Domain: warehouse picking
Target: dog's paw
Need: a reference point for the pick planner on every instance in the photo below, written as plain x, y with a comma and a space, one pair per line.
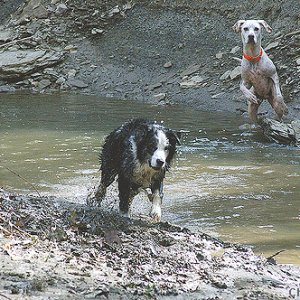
125, 214
92, 200
155, 213
253, 99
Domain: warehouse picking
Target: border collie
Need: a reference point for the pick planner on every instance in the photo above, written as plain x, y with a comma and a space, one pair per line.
139, 153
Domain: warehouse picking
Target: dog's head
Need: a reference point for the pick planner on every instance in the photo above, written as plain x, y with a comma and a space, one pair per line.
158, 147
251, 30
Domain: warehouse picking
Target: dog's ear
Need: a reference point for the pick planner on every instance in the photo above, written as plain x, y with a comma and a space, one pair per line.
174, 136
237, 26
265, 25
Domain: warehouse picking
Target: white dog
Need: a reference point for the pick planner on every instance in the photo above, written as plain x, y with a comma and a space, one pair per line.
259, 76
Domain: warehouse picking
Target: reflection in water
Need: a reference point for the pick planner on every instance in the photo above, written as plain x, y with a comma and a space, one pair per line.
226, 179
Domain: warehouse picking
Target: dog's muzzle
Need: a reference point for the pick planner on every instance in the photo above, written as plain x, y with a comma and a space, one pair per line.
159, 164
251, 39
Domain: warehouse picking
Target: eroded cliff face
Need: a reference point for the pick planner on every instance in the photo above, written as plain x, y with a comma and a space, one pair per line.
156, 51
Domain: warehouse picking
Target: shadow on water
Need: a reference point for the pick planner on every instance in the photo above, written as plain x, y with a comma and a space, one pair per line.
226, 180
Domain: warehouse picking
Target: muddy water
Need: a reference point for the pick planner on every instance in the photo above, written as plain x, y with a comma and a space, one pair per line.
227, 180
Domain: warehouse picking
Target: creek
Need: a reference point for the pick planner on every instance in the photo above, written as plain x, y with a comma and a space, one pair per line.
226, 180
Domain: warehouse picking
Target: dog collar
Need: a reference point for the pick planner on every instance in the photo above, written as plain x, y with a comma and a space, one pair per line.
253, 58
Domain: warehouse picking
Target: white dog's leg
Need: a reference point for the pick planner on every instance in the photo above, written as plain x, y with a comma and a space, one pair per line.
247, 92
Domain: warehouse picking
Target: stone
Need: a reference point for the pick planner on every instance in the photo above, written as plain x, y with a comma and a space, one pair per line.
168, 65
115, 10
271, 46
43, 84
33, 9
298, 61
61, 9
154, 86
236, 72
77, 83
219, 55
7, 89
226, 75
160, 96
61, 80
6, 35
97, 31
18, 63
190, 70
235, 49
194, 81
70, 48
280, 132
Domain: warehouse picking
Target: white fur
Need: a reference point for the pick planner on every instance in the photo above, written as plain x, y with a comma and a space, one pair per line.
156, 207
259, 78
161, 153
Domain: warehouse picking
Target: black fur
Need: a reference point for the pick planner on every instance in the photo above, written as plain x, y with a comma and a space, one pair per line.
124, 150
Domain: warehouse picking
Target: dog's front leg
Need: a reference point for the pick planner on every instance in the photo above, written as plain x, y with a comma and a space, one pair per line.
157, 195
245, 88
277, 101
124, 196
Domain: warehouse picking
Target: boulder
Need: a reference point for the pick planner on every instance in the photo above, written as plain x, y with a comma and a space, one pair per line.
281, 133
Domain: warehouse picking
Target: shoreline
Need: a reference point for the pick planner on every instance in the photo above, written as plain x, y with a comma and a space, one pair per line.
52, 247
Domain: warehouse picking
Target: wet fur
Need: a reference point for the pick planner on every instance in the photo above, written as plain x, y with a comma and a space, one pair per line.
126, 154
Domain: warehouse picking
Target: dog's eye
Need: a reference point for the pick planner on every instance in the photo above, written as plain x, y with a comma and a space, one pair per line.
256, 28
246, 28
167, 148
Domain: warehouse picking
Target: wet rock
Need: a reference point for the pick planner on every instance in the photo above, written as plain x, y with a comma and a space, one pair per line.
298, 61
76, 83
18, 63
280, 132
7, 89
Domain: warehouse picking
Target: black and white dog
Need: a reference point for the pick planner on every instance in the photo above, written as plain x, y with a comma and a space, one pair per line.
140, 153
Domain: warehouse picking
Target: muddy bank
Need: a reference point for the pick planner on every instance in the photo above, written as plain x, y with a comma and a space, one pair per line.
156, 51
57, 249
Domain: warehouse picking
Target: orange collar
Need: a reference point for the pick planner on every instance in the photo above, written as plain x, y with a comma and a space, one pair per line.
253, 58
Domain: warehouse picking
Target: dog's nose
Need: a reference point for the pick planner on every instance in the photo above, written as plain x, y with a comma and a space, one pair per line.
251, 37
159, 162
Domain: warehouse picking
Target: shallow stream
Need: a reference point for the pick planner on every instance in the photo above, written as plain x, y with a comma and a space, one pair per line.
227, 180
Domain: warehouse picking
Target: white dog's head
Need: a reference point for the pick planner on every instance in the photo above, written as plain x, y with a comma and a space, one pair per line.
251, 30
